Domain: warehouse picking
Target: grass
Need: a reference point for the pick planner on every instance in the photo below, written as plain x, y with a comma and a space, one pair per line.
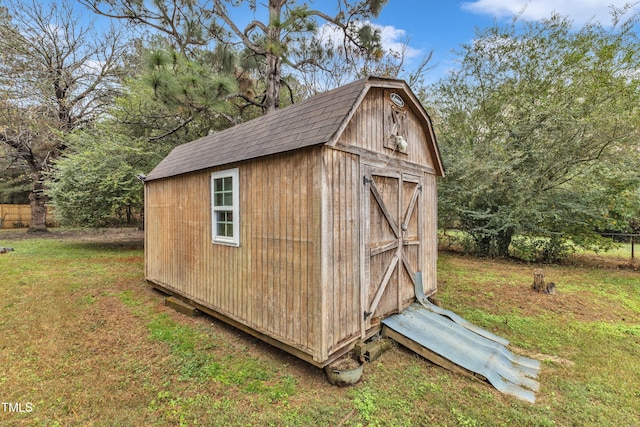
85, 341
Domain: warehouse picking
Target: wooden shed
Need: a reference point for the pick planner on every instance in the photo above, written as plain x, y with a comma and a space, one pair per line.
305, 227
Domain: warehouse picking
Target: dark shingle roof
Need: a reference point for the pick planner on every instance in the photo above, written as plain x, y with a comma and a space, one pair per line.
310, 122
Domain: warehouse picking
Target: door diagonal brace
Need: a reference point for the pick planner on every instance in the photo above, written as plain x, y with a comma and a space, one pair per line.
383, 208
383, 283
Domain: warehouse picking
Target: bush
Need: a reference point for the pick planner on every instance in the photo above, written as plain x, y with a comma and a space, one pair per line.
95, 183
458, 241
540, 249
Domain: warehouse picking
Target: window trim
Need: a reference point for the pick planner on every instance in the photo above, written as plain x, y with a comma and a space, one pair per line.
235, 208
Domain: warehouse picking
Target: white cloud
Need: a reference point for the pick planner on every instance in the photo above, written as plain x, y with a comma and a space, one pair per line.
393, 39
580, 11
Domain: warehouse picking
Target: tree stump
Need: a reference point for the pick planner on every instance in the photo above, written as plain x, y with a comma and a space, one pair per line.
539, 285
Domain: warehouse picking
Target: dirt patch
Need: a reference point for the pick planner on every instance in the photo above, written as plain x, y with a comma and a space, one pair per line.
504, 287
123, 236
574, 305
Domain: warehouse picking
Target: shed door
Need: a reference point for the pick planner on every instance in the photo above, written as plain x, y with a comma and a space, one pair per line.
392, 241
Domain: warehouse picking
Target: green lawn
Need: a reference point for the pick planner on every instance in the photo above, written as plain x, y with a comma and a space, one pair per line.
85, 341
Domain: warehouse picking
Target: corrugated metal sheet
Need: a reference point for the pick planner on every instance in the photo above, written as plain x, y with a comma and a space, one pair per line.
422, 299
509, 373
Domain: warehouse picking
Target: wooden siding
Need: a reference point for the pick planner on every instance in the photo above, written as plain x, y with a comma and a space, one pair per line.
271, 282
369, 129
341, 242
430, 233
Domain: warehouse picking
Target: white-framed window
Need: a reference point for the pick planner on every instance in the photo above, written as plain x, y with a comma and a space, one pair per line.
225, 207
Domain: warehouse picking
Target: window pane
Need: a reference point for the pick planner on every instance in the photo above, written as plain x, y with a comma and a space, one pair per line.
224, 223
218, 185
228, 183
223, 191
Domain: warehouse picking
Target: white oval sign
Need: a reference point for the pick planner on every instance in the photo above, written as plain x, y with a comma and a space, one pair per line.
397, 99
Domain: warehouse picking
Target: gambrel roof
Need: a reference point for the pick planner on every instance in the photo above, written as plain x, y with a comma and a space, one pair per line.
314, 121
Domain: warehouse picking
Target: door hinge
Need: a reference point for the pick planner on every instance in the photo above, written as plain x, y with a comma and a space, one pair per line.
366, 180
367, 314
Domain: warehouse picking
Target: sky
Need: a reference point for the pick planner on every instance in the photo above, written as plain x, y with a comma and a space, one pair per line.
441, 26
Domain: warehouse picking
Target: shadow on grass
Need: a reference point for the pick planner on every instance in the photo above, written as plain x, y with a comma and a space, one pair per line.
113, 246
110, 240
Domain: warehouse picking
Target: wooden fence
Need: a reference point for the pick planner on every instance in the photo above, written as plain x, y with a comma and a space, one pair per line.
19, 216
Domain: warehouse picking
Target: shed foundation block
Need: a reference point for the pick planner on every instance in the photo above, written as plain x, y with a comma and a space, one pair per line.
181, 306
372, 350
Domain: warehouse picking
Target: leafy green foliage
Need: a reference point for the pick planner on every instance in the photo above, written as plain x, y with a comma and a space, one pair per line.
532, 128
185, 84
533, 249
173, 99
96, 183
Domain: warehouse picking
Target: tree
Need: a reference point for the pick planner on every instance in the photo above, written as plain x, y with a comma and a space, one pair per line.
269, 44
526, 120
55, 76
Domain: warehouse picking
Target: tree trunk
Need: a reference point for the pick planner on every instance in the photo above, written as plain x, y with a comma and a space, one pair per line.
38, 202
483, 246
539, 285
494, 246
538, 281
273, 60
503, 242
272, 97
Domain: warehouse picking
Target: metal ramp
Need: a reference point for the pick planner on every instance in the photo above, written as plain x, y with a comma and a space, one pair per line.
448, 340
